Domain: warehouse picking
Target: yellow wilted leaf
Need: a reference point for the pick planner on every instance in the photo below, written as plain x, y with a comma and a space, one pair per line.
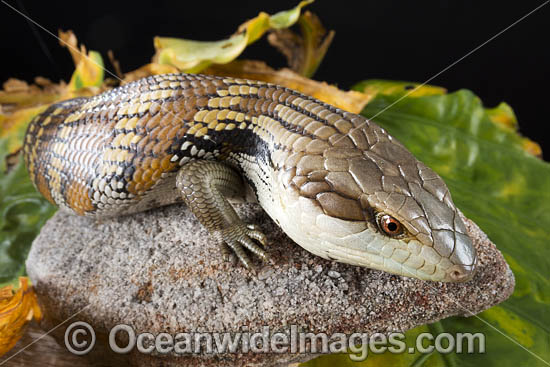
193, 56
351, 101
20, 101
89, 66
304, 52
14, 126
16, 309
19, 94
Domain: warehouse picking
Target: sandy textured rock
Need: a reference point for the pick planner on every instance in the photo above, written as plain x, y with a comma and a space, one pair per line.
159, 272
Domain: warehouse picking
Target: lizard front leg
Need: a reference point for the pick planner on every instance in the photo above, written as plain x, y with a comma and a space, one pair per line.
204, 186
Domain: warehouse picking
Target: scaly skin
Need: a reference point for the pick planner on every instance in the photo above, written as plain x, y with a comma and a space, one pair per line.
336, 183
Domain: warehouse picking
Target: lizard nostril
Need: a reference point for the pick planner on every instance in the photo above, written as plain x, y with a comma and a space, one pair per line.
455, 274
461, 273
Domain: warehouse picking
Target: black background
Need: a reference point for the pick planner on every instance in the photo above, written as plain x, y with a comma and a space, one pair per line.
402, 40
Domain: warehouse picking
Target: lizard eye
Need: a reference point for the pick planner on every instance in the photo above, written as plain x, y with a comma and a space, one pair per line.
391, 226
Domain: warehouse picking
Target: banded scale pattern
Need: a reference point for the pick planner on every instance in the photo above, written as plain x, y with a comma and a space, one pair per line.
316, 170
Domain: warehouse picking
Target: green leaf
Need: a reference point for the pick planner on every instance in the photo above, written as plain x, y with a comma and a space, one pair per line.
396, 88
404, 359
502, 188
23, 211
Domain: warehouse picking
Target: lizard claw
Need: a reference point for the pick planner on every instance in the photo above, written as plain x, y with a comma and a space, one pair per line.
242, 236
255, 233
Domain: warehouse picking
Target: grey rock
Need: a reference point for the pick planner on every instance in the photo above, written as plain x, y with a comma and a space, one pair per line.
159, 271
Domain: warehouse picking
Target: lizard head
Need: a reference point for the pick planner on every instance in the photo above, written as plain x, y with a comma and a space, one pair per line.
380, 208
